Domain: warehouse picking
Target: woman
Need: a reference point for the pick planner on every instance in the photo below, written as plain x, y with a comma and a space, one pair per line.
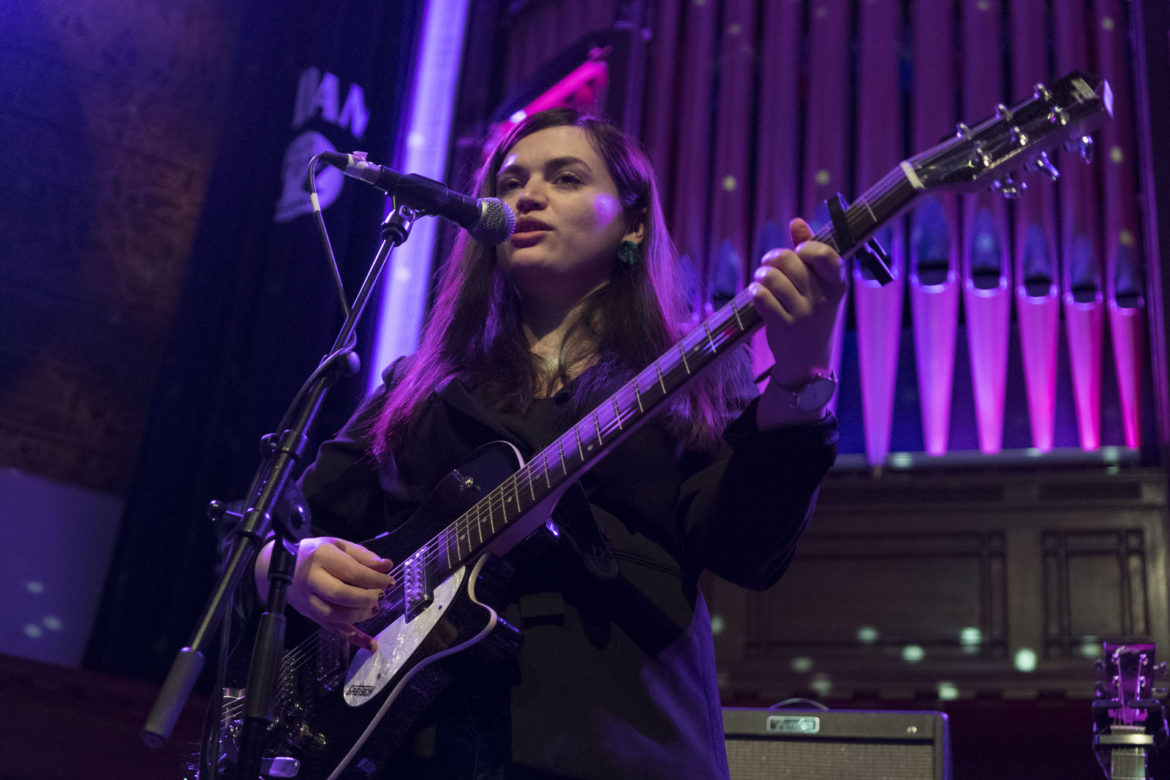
616, 675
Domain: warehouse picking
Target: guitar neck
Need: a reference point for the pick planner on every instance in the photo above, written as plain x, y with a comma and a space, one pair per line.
585, 443
874, 208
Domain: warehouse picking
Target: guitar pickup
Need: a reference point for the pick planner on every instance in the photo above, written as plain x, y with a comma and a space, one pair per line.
416, 592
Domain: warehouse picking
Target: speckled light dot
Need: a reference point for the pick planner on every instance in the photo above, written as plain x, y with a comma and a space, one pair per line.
33, 631
52, 622
729, 183
822, 177
1126, 238
1116, 154
1025, 659
1107, 23
35, 587
734, 29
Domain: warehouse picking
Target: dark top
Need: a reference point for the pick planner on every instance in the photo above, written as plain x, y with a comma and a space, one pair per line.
616, 677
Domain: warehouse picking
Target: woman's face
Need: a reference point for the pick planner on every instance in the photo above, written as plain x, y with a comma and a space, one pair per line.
569, 218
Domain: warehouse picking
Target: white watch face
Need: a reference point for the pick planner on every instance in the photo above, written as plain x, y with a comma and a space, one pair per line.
815, 394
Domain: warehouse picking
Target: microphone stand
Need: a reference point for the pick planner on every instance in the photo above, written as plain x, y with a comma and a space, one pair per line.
268, 495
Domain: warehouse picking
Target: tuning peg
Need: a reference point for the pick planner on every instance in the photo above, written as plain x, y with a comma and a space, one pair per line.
1003, 112
1018, 136
962, 131
1040, 92
1160, 668
1009, 187
1086, 148
1042, 163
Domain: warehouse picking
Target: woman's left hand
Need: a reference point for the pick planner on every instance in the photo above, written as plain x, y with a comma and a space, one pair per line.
798, 292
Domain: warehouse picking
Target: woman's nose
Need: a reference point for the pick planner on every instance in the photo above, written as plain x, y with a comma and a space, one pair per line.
530, 197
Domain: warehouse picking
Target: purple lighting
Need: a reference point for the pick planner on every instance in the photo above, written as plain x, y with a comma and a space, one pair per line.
1084, 321
426, 135
934, 300
987, 301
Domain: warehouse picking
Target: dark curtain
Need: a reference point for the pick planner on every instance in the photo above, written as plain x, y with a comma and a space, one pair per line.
258, 309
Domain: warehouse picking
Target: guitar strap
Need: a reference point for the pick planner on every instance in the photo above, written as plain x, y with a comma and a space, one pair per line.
584, 533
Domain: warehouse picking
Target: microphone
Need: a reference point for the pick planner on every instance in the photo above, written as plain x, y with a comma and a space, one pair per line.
488, 220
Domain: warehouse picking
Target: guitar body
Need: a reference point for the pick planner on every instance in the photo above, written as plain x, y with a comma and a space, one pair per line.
342, 712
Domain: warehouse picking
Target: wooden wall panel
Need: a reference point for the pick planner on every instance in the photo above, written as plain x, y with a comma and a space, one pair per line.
959, 579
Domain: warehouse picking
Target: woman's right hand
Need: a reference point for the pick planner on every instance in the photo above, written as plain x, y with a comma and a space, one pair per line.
336, 584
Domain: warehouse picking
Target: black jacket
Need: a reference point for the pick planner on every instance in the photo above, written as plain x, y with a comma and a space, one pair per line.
616, 677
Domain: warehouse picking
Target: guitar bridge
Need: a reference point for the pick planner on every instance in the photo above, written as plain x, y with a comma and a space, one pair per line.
416, 593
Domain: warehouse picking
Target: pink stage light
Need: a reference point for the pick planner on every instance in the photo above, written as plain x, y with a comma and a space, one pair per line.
879, 328
934, 301
987, 302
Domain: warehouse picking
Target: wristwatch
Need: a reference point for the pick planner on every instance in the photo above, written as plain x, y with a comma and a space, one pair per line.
810, 394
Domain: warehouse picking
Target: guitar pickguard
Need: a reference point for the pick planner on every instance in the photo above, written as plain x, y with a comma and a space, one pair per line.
370, 672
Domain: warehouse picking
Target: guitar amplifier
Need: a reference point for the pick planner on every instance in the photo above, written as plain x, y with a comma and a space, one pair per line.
836, 744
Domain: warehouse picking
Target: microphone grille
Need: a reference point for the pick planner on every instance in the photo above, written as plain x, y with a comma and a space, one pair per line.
496, 222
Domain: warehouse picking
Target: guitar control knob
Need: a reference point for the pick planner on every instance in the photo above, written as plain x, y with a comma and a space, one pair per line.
1085, 147
1009, 187
1044, 164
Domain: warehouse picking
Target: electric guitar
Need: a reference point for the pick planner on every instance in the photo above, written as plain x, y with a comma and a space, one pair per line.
341, 711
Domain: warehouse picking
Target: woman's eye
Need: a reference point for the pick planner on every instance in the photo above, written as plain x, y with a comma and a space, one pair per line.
567, 177
506, 185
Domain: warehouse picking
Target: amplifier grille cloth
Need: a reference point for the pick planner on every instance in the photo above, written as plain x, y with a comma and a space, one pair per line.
768, 759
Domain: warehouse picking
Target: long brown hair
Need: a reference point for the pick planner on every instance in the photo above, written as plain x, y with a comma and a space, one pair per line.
473, 330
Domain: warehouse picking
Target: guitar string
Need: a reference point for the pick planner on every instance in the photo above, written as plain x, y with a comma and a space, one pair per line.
305, 652
890, 191
497, 501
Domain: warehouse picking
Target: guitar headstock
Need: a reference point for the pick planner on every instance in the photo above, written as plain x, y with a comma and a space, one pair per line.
994, 152
1125, 682
1127, 720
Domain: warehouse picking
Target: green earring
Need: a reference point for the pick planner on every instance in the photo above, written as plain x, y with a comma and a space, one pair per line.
629, 253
